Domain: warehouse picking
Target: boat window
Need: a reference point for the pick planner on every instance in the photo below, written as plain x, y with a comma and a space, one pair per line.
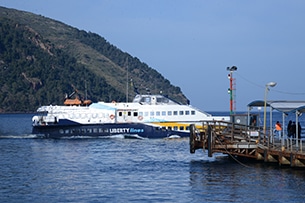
140, 113
135, 114
192, 112
61, 131
152, 113
94, 130
129, 113
187, 127
145, 99
175, 113
187, 112
181, 128
169, 113
67, 131
181, 112
100, 130
120, 113
169, 128
146, 113
175, 127
163, 113
158, 113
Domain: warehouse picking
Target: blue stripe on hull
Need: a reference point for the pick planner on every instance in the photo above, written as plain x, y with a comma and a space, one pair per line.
100, 130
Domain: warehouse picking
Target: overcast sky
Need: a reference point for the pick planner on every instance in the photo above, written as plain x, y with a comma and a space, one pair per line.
192, 42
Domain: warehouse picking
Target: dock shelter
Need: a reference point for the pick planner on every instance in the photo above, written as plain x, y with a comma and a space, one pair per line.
285, 107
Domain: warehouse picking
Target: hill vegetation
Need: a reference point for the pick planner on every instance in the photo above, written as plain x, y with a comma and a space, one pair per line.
41, 60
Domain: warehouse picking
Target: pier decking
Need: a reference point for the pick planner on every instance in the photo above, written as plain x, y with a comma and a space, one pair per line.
246, 141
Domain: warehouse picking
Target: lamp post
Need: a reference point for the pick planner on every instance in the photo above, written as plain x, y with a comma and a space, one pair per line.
270, 84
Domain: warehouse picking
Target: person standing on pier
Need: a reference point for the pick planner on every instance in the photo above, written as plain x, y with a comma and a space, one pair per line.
299, 130
289, 128
293, 129
278, 129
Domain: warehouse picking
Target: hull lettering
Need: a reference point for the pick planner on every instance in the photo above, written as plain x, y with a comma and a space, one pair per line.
119, 130
126, 130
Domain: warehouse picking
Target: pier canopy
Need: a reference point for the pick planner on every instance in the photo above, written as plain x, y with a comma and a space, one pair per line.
281, 106
286, 107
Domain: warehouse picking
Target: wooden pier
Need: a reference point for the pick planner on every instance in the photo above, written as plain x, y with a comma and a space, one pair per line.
246, 141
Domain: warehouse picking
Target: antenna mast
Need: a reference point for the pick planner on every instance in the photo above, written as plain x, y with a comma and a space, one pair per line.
232, 89
127, 86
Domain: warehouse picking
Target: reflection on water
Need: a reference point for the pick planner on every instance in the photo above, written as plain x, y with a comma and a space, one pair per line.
226, 180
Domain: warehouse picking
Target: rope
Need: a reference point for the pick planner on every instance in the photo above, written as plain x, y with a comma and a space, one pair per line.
239, 162
274, 90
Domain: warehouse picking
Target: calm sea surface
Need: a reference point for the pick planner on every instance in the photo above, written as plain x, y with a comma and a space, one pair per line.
131, 170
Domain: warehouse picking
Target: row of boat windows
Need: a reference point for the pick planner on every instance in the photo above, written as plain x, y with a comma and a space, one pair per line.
105, 130
133, 113
158, 113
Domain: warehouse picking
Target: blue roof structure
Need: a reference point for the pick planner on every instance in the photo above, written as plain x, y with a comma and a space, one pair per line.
282, 106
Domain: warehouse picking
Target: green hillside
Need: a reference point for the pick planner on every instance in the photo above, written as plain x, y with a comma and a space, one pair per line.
41, 60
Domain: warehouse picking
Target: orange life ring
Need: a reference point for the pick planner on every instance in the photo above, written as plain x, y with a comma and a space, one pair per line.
140, 118
111, 116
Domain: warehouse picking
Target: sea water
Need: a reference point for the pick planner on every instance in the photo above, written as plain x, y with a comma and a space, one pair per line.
131, 170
